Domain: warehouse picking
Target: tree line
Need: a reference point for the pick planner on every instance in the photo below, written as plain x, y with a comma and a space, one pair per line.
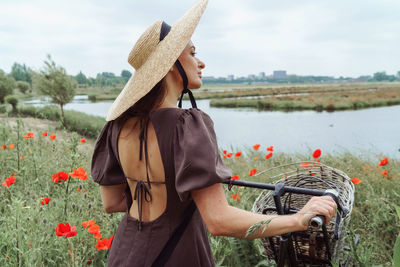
376, 77
52, 81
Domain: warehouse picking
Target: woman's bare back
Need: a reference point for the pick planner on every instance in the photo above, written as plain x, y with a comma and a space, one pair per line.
128, 152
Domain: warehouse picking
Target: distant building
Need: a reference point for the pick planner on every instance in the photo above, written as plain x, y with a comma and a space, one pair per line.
280, 74
231, 77
252, 77
261, 75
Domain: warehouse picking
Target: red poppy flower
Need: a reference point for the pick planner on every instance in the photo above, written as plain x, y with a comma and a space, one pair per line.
224, 157
235, 197
44, 134
8, 181
268, 155
83, 140
45, 201
256, 146
238, 154
22, 157
65, 230
255, 158
225, 151
235, 177
3, 147
29, 135
97, 235
317, 153
385, 173
252, 172
79, 173
270, 148
93, 228
355, 180
88, 223
52, 137
89, 261
11, 146
60, 176
104, 243
384, 162
229, 155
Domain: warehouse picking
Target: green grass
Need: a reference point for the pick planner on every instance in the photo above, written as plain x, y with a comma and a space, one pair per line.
287, 105
82, 123
28, 238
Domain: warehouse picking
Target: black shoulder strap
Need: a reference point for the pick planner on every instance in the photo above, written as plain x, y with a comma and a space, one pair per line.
174, 239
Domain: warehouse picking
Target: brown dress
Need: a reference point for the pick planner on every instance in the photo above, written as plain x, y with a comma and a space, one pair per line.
191, 160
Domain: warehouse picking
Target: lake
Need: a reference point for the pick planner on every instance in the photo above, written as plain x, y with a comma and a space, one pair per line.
364, 132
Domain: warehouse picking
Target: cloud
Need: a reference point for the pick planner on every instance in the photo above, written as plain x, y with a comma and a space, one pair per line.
234, 37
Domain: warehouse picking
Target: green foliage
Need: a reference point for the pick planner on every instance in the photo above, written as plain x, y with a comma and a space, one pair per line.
382, 76
21, 73
13, 101
23, 86
92, 97
3, 108
126, 74
81, 78
47, 112
54, 82
7, 85
83, 124
396, 249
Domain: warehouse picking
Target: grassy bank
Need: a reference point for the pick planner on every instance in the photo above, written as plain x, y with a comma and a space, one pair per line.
79, 122
28, 236
319, 100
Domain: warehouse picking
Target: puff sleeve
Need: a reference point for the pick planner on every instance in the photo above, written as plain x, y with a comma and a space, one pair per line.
196, 158
106, 169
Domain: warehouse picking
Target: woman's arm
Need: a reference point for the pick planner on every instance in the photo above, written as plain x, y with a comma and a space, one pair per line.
223, 219
113, 198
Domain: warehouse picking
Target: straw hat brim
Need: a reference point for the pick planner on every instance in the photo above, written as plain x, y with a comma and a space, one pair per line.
159, 62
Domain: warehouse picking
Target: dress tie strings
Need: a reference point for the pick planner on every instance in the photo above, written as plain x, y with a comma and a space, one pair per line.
141, 192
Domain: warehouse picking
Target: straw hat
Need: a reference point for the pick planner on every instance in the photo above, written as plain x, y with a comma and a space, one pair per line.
153, 58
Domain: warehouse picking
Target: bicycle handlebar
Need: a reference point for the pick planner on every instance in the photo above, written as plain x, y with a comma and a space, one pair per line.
318, 221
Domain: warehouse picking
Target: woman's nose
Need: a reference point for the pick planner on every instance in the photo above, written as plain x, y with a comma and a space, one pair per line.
201, 64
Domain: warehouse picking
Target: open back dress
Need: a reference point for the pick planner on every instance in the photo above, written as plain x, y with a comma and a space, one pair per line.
191, 160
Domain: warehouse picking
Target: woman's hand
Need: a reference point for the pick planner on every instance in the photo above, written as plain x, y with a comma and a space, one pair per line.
324, 205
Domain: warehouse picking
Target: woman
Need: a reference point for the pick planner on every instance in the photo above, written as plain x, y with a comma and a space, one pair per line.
160, 164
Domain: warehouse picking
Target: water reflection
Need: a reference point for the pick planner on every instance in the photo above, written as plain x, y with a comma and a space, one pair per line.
367, 131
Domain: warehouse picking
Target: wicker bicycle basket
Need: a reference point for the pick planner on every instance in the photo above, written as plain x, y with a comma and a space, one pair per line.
310, 246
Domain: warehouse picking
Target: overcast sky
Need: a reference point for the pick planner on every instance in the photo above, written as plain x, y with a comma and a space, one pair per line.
240, 37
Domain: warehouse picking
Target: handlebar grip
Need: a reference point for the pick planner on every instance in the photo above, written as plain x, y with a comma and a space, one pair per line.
318, 221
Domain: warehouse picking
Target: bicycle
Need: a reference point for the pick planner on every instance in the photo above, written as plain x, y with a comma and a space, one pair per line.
321, 244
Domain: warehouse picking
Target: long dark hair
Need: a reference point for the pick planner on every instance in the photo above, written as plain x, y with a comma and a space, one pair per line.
146, 104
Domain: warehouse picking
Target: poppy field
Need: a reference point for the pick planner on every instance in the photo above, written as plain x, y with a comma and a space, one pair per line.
52, 215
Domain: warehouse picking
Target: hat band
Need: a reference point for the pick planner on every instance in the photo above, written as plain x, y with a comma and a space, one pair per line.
185, 88
165, 28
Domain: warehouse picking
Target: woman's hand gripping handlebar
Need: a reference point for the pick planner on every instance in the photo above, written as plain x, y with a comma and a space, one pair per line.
318, 210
